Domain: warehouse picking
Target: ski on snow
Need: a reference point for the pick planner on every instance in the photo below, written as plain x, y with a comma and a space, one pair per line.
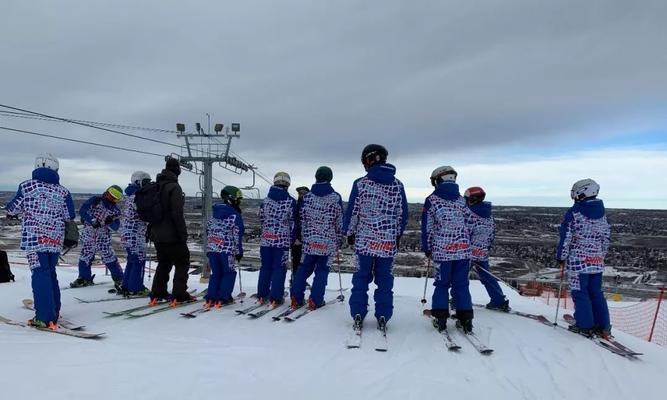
474, 340
354, 339
105, 299
61, 330
293, 317
142, 307
609, 343
382, 343
205, 309
450, 344
166, 307
65, 323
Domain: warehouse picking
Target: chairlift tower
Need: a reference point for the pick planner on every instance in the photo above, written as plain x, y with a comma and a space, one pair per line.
205, 149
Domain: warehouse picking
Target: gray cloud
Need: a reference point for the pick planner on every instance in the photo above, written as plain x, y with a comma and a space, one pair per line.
318, 80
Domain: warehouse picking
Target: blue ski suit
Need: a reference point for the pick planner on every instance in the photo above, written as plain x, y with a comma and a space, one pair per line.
133, 238
225, 243
99, 217
481, 240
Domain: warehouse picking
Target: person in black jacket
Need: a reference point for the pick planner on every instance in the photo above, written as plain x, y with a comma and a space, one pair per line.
297, 246
170, 238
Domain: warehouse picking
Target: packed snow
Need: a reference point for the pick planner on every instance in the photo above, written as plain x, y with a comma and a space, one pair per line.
225, 356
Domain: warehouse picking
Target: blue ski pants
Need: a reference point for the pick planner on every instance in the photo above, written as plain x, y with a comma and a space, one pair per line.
371, 268
490, 283
309, 264
452, 274
223, 277
272, 273
45, 289
133, 277
590, 305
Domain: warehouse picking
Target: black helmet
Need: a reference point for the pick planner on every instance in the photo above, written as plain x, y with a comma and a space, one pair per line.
231, 195
373, 154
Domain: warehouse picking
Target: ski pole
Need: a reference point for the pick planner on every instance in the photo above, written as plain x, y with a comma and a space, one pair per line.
240, 283
560, 286
428, 272
477, 267
340, 279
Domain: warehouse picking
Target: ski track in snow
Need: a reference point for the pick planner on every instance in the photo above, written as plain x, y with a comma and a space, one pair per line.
220, 354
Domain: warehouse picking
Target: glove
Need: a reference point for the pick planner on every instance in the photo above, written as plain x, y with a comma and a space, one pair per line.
12, 216
239, 257
96, 224
428, 253
109, 221
350, 240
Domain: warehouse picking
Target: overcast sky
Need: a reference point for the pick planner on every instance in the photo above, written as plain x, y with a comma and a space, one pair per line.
521, 97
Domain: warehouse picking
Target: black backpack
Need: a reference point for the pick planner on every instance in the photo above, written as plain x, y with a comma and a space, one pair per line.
149, 206
5, 273
71, 234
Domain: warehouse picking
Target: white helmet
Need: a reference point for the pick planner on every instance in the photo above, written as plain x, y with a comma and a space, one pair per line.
47, 160
446, 173
138, 177
583, 189
282, 179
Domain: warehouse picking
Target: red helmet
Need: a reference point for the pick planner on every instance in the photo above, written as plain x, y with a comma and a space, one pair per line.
474, 195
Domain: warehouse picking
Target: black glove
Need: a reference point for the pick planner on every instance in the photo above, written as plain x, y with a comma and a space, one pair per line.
109, 221
350, 240
428, 253
239, 257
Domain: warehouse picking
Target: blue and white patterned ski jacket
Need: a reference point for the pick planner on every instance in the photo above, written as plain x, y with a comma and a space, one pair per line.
483, 231
377, 212
446, 224
45, 206
225, 231
584, 237
132, 229
277, 216
321, 216
96, 211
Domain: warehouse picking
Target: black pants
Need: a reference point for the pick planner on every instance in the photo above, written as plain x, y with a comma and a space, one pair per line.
168, 255
296, 258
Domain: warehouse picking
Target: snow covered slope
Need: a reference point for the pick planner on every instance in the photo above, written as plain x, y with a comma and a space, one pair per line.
224, 356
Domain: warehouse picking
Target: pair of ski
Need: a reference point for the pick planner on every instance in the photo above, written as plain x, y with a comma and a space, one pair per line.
291, 314
609, 343
65, 327
451, 344
354, 339
151, 309
205, 309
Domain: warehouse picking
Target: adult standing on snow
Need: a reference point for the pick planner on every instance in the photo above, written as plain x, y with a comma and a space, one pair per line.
376, 215
277, 216
133, 238
584, 241
45, 206
446, 229
170, 236
321, 216
297, 247
100, 215
483, 233
225, 245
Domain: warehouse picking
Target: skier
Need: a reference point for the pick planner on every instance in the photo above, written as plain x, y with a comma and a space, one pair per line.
297, 248
375, 218
480, 242
446, 230
277, 216
321, 216
225, 244
133, 238
584, 241
45, 206
100, 215
170, 235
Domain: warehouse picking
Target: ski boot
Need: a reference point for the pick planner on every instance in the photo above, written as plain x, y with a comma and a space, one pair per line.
504, 306
81, 282
43, 325
604, 333
440, 319
464, 321
210, 304
294, 304
382, 325
141, 292
311, 304
589, 333
118, 285
157, 298
181, 298
358, 323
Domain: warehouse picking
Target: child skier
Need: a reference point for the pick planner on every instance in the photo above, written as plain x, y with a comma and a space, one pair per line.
446, 230
376, 216
100, 215
277, 216
584, 241
481, 240
321, 216
133, 238
225, 244
45, 206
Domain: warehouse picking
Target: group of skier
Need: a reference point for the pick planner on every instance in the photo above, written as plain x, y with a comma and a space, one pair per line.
456, 233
